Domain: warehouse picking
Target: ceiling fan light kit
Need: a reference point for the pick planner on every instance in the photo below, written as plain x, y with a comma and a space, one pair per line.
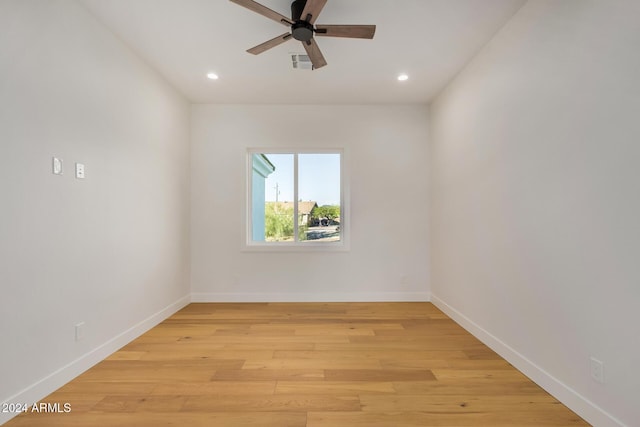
302, 27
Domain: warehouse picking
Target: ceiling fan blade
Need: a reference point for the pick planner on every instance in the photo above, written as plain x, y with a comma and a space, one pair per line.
264, 11
314, 53
269, 44
313, 9
349, 31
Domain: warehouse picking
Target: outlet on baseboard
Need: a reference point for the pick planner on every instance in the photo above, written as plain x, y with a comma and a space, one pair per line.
80, 331
597, 370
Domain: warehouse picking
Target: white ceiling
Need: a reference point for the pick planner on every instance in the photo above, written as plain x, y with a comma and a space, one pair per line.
430, 40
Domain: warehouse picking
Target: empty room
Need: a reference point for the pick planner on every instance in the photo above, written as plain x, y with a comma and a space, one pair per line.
319, 213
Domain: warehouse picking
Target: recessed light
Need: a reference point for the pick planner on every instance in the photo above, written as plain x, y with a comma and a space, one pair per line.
403, 77
212, 76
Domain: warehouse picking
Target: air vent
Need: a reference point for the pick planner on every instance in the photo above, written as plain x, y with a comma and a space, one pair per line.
301, 61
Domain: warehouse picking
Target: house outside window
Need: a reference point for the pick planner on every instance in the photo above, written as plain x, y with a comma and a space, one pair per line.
261, 169
296, 199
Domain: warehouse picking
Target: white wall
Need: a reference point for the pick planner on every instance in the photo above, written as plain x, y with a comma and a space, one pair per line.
111, 250
535, 200
387, 155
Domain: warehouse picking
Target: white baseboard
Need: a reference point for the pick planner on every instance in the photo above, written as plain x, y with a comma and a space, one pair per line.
57, 379
592, 413
312, 297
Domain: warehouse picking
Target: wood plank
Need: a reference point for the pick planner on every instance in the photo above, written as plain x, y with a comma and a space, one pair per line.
269, 375
156, 371
421, 419
379, 354
106, 388
410, 363
312, 364
283, 345
127, 355
378, 375
133, 403
338, 388
485, 375
189, 354
456, 403
278, 403
428, 388
215, 388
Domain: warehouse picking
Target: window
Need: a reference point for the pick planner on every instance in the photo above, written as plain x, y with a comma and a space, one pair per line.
295, 199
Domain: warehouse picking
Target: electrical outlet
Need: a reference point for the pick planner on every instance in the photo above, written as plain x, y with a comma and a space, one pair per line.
79, 170
80, 331
597, 370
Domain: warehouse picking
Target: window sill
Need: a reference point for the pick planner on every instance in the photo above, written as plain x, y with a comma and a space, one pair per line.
296, 247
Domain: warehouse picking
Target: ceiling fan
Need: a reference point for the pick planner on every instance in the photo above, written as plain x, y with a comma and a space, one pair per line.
302, 22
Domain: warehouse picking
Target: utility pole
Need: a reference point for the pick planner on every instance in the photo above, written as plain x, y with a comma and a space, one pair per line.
277, 191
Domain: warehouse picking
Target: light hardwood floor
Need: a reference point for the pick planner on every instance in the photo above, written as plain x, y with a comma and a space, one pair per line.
311, 364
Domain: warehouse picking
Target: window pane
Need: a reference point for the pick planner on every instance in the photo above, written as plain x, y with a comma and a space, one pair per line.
319, 197
272, 198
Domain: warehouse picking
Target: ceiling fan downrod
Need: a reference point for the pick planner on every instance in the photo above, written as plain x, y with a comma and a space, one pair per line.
301, 29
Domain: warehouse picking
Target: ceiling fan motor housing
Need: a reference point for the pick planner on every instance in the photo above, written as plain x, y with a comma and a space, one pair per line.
301, 29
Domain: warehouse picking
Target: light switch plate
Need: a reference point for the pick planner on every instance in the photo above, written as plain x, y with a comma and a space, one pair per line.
79, 171
57, 166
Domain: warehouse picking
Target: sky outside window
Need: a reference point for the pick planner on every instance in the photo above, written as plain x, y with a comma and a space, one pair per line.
318, 178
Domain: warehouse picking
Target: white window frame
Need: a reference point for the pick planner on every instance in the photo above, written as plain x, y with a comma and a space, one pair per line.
249, 245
